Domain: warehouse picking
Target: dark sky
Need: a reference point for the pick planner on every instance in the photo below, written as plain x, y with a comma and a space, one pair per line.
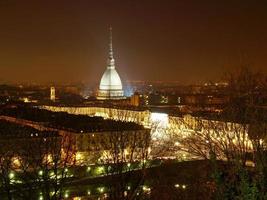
169, 40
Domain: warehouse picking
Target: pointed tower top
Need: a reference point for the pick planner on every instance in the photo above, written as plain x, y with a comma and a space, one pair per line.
110, 43
111, 61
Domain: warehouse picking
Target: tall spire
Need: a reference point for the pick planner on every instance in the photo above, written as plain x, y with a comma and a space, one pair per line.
111, 61
110, 43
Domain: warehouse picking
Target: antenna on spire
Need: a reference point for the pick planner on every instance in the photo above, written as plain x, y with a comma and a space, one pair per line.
111, 61
110, 43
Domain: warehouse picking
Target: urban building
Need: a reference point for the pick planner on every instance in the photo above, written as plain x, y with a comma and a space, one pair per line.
53, 94
110, 85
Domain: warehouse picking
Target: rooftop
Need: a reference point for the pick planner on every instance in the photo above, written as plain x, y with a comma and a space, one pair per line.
70, 122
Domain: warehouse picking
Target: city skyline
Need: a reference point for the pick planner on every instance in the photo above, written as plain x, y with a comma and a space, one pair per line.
188, 42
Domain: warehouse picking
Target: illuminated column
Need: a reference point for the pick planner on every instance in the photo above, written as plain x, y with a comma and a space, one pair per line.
53, 94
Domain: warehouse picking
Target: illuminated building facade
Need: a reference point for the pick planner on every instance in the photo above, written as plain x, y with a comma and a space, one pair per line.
52, 94
99, 145
110, 85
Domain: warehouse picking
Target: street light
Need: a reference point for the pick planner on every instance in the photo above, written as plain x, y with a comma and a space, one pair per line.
11, 175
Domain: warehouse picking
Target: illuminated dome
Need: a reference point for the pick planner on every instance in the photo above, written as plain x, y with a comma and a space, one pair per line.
110, 80
110, 85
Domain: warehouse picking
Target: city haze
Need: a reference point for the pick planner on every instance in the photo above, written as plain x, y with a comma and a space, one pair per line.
187, 42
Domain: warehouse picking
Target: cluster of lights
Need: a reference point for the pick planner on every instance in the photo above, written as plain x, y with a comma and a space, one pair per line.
170, 124
180, 186
146, 189
231, 134
79, 157
52, 174
99, 170
66, 195
102, 190
16, 161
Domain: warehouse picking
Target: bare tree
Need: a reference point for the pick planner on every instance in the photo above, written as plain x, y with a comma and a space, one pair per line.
238, 134
125, 155
6, 174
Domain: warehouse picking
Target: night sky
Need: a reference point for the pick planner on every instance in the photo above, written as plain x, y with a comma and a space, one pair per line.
166, 40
